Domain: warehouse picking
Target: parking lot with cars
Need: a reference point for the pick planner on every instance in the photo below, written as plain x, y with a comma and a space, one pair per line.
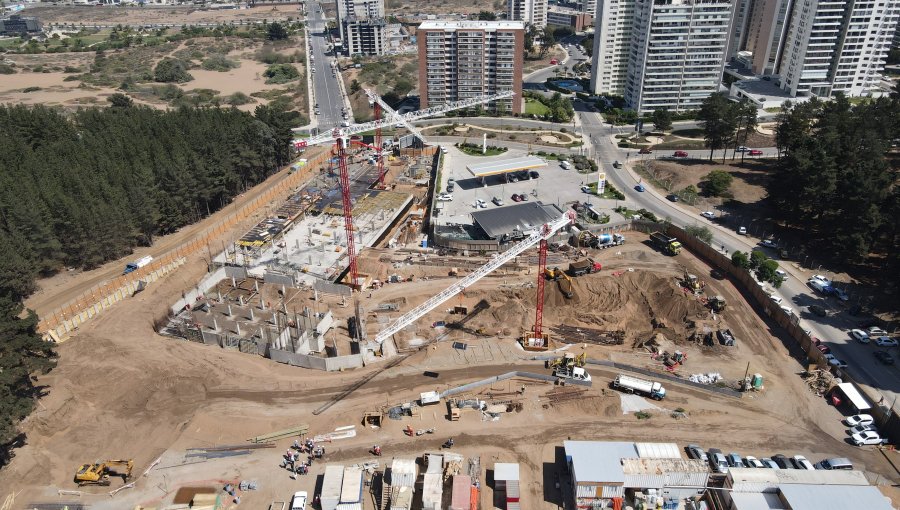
720, 462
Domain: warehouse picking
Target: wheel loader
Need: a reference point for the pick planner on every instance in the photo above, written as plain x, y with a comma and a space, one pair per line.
99, 473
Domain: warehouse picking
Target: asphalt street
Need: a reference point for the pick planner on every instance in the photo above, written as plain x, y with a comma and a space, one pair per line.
327, 92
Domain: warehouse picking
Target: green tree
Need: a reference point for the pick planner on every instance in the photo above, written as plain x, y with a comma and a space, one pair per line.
717, 182
757, 258
119, 100
354, 86
740, 259
276, 32
746, 115
766, 272
547, 41
531, 34
171, 70
700, 232
719, 122
487, 16
662, 119
281, 73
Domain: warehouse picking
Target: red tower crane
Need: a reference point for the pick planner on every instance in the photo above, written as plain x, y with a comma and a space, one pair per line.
379, 147
539, 309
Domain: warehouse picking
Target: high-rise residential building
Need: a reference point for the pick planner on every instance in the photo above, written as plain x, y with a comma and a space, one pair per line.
465, 59
564, 17
837, 46
612, 41
362, 26
737, 36
677, 53
766, 33
528, 11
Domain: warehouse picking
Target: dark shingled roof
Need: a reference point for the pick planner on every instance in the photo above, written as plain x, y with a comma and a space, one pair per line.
500, 221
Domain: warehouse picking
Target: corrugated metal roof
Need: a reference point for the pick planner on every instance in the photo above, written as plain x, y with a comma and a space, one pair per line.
403, 473
756, 501
351, 489
598, 461
350, 506
506, 166
459, 497
753, 480
500, 221
401, 499
434, 463
658, 450
833, 497
506, 471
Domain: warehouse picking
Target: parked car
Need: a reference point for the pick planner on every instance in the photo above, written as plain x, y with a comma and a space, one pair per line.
841, 294
876, 331
867, 437
585, 189
884, 357
533, 174
769, 463
833, 361
741, 149
680, 154
497, 201
800, 462
768, 243
640, 188
818, 310
776, 299
782, 461
824, 349
299, 501
708, 214
820, 278
734, 460
645, 150
742, 231
752, 462
860, 336
438, 324
858, 429
480, 204
859, 419
755, 152
835, 463
884, 341
672, 197
695, 452
445, 197
717, 460
781, 273
515, 197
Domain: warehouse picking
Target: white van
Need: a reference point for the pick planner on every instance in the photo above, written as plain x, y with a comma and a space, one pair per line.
565, 165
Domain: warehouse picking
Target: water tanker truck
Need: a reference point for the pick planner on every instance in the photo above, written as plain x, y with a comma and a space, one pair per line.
630, 384
137, 264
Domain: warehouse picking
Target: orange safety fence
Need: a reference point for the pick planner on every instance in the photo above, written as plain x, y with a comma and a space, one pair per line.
90, 298
473, 498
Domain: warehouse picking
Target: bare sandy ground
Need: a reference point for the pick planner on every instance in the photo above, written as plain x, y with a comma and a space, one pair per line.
177, 15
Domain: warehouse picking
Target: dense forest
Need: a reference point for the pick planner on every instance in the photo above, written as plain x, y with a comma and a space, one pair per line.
837, 178
77, 190
82, 188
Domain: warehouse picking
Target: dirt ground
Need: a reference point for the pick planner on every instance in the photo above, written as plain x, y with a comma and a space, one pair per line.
177, 15
406, 8
57, 87
120, 390
748, 186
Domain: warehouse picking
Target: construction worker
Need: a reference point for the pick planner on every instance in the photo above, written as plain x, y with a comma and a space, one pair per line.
376, 450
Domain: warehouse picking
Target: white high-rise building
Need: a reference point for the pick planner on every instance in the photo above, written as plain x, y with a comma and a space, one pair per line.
362, 26
677, 53
837, 46
529, 11
612, 41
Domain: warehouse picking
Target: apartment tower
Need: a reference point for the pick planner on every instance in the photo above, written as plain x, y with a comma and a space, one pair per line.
612, 41
528, 11
465, 59
362, 26
677, 53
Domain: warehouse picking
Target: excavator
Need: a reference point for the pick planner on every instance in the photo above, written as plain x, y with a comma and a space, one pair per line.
563, 280
99, 472
691, 282
568, 360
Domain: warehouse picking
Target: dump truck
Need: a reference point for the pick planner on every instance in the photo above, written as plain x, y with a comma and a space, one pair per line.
600, 241
584, 266
137, 264
725, 337
667, 244
716, 303
573, 374
630, 384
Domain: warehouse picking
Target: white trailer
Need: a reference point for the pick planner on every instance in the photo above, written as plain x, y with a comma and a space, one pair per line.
634, 385
137, 264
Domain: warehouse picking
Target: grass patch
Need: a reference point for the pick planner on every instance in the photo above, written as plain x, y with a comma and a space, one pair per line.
689, 133
475, 150
535, 107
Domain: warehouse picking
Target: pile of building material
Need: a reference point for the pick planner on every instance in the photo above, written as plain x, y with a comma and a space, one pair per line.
581, 335
819, 381
709, 378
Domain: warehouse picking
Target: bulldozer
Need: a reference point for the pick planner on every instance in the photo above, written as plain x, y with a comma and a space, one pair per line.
691, 282
716, 303
568, 360
100, 472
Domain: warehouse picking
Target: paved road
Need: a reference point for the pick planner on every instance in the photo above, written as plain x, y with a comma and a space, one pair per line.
326, 89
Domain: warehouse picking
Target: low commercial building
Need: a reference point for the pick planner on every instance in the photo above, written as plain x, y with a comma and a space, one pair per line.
566, 17
606, 473
514, 222
20, 25
796, 489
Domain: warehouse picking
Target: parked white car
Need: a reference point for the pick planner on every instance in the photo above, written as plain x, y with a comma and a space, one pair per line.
821, 278
299, 501
776, 299
445, 197
876, 331
708, 214
868, 437
859, 419
833, 361
858, 429
801, 463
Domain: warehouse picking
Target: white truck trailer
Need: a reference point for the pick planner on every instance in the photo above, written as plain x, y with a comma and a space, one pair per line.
630, 384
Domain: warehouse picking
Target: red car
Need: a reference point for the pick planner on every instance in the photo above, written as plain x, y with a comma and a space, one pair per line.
553, 61
515, 197
755, 152
645, 150
681, 154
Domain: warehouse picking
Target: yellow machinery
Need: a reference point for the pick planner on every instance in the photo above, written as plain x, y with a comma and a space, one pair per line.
568, 360
716, 303
562, 279
99, 473
691, 282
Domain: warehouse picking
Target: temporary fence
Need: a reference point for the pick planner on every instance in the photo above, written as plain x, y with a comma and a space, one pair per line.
59, 324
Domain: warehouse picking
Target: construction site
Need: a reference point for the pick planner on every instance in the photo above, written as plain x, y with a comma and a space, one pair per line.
456, 379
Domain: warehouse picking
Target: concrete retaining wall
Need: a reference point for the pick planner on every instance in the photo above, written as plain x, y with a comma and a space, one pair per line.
316, 362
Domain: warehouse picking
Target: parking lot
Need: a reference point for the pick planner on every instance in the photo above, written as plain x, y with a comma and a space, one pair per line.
554, 185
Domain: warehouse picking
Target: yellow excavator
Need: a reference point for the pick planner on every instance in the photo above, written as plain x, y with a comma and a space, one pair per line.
99, 472
691, 282
568, 360
562, 280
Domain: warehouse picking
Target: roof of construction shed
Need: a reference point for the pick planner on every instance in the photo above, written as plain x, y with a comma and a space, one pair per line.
506, 471
504, 220
351, 489
332, 481
598, 461
403, 473
855, 397
658, 450
505, 166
